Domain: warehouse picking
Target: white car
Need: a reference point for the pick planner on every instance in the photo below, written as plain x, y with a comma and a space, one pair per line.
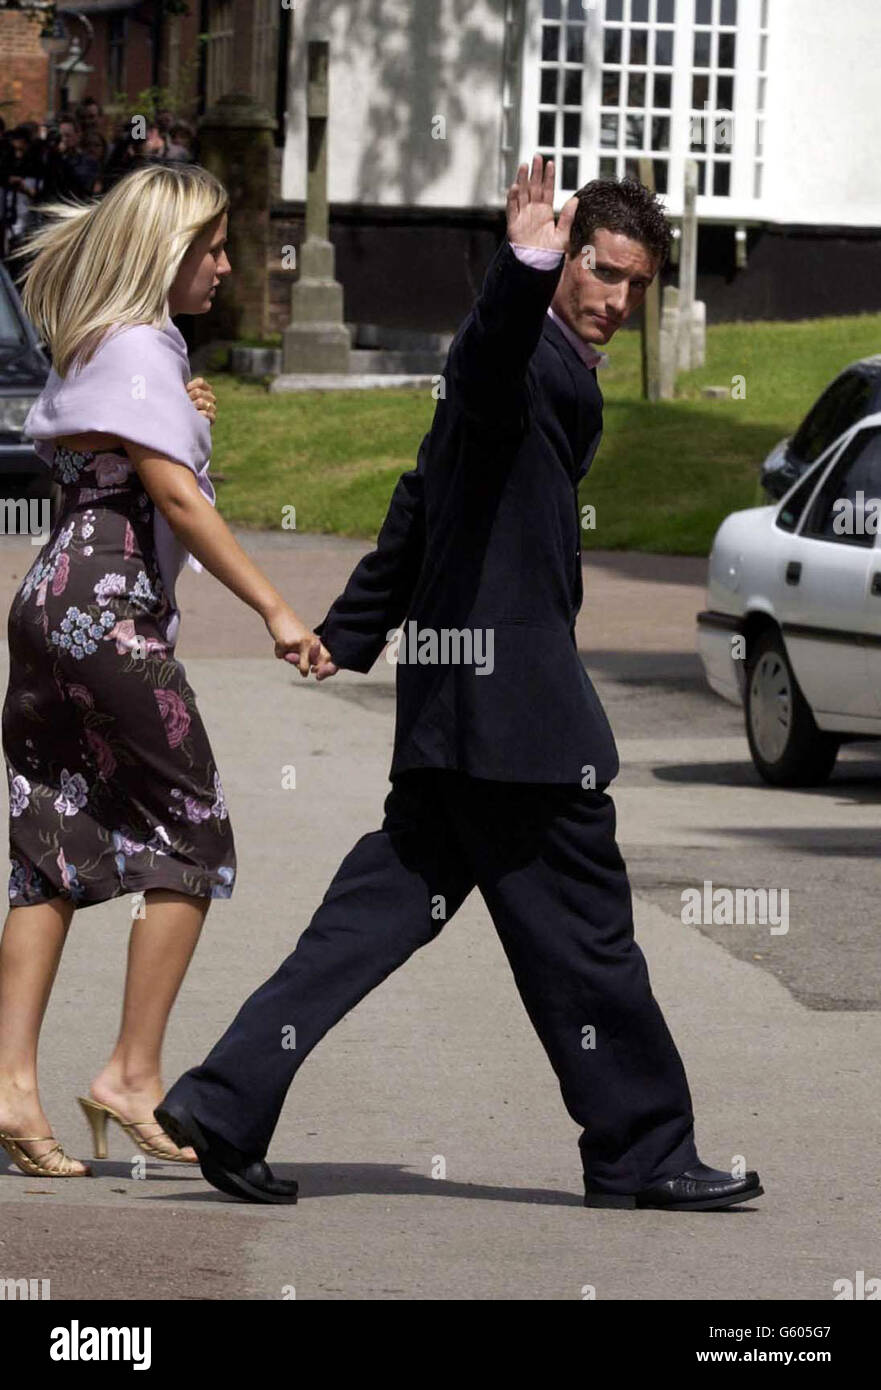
792, 628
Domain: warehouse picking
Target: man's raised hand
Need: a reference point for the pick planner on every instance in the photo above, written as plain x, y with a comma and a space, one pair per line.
531, 209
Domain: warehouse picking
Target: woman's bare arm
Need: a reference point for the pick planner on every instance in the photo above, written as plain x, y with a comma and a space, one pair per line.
203, 531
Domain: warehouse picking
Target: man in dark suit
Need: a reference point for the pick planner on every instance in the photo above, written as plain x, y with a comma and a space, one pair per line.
502, 750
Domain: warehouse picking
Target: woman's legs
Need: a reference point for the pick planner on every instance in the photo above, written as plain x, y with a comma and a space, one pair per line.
160, 949
30, 949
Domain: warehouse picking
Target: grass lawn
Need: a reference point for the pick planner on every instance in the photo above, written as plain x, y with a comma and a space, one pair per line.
663, 479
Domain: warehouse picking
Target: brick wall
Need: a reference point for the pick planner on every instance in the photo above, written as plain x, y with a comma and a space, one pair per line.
24, 74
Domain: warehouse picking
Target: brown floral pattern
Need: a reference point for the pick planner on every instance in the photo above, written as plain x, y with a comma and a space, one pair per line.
113, 787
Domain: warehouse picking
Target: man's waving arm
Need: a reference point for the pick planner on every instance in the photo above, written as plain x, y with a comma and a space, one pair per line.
491, 352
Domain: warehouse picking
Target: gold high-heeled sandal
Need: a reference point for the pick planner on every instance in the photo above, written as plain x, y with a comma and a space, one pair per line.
98, 1114
54, 1163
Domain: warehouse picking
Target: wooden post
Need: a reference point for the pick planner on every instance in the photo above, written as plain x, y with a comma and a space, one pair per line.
687, 266
650, 319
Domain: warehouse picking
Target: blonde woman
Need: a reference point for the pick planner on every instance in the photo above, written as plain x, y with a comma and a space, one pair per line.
113, 788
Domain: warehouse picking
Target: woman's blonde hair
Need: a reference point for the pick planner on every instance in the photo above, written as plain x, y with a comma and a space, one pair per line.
113, 262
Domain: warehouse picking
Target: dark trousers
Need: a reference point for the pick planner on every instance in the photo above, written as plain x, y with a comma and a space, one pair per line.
547, 865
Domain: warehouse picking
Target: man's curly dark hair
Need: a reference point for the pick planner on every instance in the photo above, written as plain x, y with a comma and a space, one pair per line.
620, 205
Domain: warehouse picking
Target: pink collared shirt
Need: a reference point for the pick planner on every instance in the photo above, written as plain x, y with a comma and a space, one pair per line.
541, 259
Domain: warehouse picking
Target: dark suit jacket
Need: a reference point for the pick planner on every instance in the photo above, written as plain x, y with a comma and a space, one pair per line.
484, 535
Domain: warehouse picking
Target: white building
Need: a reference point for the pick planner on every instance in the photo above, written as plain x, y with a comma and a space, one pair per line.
435, 102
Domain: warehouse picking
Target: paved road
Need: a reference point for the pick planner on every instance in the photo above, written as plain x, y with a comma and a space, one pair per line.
780, 1033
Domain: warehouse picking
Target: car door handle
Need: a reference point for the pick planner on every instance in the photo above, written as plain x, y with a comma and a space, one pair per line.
876, 582
793, 572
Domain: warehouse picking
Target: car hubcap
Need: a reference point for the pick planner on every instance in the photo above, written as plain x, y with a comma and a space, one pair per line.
771, 706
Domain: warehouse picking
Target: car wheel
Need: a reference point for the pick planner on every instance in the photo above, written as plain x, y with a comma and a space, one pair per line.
787, 748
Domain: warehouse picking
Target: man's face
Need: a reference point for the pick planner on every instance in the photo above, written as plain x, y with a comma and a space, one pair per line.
595, 300
68, 136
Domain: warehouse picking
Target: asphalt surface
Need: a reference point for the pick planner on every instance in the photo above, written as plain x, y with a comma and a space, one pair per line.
780, 1033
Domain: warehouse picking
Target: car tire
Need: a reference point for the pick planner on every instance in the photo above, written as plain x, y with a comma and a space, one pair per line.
787, 747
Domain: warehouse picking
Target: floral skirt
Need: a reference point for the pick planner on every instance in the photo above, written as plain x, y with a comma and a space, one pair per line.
113, 788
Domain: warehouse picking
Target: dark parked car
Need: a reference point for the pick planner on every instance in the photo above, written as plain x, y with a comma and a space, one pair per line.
855, 393
24, 367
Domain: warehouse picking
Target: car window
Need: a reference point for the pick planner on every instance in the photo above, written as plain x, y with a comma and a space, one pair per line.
11, 326
789, 514
848, 504
839, 407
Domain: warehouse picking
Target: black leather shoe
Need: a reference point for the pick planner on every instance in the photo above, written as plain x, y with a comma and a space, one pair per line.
223, 1165
699, 1188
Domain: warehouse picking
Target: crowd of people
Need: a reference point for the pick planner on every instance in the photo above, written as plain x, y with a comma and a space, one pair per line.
78, 157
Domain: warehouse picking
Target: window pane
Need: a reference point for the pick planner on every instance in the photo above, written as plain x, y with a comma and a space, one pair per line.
635, 126
607, 168
666, 11
549, 86
725, 93
639, 11
701, 48
572, 130
856, 471
697, 132
574, 43
660, 132
639, 46
611, 86
608, 130
664, 47
612, 46
550, 43
703, 12
577, 11
636, 89
722, 178
701, 175
788, 516
662, 91
551, 9
614, 9
631, 168
728, 12
700, 92
839, 407
726, 50
572, 87
570, 170
660, 166
547, 127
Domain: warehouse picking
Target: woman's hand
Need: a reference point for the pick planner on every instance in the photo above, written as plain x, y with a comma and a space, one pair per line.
203, 398
294, 642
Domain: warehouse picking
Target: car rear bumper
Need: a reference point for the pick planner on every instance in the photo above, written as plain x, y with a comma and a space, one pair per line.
725, 673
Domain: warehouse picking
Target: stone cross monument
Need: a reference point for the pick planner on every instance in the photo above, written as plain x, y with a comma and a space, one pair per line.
316, 339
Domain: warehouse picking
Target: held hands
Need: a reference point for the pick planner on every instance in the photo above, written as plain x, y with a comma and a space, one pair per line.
294, 642
531, 209
203, 398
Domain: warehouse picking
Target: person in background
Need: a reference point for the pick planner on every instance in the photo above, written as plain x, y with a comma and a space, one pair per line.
68, 172
95, 146
19, 185
182, 140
